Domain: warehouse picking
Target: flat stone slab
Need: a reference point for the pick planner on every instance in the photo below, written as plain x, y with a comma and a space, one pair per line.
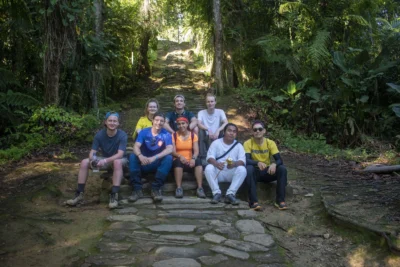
231, 232
231, 252
110, 247
124, 226
245, 246
184, 200
250, 227
172, 228
247, 213
192, 206
113, 259
186, 185
177, 262
125, 218
174, 240
212, 260
117, 235
261, 239
192, 214
219, 223
130, 210
213, 238
141, 201
182, 252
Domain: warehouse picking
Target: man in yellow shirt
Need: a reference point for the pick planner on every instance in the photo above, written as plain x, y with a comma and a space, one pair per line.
259, 151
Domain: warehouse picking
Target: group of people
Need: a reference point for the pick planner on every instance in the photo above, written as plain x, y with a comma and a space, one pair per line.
186, 143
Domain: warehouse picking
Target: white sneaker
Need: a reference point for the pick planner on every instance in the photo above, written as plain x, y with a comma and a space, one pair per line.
113, 201
77, 200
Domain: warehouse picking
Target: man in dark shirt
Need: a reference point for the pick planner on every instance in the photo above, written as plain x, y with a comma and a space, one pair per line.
152, 153
170, 120
112, 143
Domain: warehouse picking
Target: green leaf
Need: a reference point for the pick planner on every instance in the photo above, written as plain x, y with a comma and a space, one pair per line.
71, 17
396, 109
279, 98
394, 88
338, 60
363, 99
313, 92
291, 88
53, 2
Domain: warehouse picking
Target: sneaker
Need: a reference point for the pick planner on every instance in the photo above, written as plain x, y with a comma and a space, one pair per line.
200, 193
179, 192
282, 205
136, 194
216, 198
113, 201
77, 200
231, 199
156, 195
256, 207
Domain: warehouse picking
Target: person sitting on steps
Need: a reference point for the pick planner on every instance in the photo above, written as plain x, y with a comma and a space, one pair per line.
259, 151
226, 160
112, 143
150, 109
151, 153
186, 151
211, 122
170, 122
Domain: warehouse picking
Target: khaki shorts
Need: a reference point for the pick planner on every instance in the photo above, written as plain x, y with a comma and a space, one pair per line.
110, 165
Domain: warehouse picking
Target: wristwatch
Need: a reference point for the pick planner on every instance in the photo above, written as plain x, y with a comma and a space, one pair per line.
194, 158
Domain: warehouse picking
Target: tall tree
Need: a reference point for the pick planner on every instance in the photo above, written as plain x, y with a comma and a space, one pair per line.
97, 68
218, 48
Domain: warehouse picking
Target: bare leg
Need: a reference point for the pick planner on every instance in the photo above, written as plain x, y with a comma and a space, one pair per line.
198, 173
83, 171
118, 172
178, 172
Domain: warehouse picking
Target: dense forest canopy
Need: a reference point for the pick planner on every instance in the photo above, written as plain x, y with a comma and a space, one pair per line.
326, 68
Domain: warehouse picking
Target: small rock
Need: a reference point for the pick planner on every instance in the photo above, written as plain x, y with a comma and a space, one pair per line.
177, 262
214, 238
212, 260
326, 236
309, 195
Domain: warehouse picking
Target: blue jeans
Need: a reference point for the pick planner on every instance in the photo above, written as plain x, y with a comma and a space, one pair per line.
161, 167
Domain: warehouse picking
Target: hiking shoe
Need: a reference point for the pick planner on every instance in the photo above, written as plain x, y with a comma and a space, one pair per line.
179, 192
77, 200
156, 195
136, 194
113, 201
216, 198
231, 199
200, 193
256, 207
281, 206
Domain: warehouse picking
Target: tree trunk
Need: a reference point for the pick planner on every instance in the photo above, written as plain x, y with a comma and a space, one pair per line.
97, 69
143, 63
218, 47
228, 66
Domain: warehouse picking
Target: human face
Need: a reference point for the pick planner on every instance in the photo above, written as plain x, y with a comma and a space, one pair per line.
182, 126
210, 102
158, 122
258, 130
179, 103
112, 122
230, 133
152, 108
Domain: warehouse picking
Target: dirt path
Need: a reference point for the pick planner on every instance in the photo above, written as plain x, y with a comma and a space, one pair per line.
38, 230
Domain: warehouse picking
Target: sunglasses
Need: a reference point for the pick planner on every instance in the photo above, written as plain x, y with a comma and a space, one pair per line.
153, 141
257, 129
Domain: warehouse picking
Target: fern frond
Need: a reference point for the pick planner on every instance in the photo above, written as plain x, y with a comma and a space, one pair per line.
292, 7
318, 52
358, 19
18, 99
7, 78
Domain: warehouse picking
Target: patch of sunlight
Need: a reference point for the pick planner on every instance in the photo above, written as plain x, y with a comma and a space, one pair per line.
291, 230
393, 261
360, 258
32, 169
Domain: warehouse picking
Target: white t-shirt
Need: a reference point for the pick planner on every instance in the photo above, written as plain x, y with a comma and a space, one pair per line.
218, 148
211, 121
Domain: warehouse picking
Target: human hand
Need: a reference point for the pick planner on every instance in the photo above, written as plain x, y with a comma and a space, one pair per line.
100, 163
231, 164
272, 169
219, 165
192, 163
261, 165
183, 160
144, 160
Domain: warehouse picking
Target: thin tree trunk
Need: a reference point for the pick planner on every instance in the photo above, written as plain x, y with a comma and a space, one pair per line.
143, 64
97, 69
218, 47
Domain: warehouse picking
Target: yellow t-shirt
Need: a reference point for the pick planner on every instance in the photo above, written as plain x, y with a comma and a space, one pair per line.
185, 147
261, 153
143, 122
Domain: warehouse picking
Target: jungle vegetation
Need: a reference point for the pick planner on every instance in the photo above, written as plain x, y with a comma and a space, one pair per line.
328, 69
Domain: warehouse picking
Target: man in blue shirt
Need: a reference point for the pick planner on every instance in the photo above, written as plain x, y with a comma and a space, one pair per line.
112, 143
151, 153
170, 120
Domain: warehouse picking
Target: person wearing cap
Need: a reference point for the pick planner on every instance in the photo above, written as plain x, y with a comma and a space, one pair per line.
227, 161
112, 142
151, 153
211, 122
186, 151
170, 121
150, 109
259, 151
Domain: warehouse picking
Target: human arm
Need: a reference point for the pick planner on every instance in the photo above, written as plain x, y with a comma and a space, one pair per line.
211, 154
250, 161
177, 155
273, 166
168, 150
195, 153
239, 155
168, 127
193, 123
104, 161
221, 128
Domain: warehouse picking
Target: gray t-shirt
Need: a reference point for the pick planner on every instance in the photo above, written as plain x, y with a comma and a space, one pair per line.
110, 145
211, 121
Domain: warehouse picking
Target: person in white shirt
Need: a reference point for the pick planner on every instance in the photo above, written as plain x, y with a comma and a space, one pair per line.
227, 159
211, 122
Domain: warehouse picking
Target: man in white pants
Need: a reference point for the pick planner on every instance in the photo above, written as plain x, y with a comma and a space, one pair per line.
226, 158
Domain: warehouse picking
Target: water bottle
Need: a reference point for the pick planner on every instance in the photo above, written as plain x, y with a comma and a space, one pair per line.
94, 163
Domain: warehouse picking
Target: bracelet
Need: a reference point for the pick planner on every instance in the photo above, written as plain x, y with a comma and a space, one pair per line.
139, 154
156, 157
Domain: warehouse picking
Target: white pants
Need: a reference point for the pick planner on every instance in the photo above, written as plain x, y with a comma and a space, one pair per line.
236, 176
